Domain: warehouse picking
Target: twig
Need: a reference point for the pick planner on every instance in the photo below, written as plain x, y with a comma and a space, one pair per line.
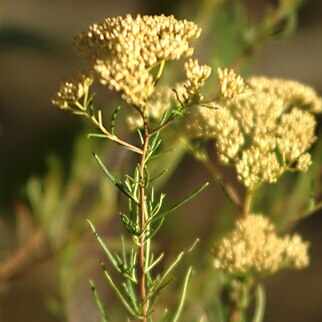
225, 186
248, 202
23, 256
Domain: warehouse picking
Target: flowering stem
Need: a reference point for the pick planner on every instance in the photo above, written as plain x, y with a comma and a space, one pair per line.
235, 314
248, 202
97, 121
165, 124
229, 190
114, 138
142, 208
226, 187
240, 304
32, 251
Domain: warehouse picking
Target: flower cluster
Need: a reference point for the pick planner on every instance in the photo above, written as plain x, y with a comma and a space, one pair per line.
293, 93
253, 248
231, 84
295, 132
72, 90
255, 166
263, 130
196, 77
123, 51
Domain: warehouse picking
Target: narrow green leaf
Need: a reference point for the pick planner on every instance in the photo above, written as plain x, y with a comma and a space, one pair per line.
132, 228
104, 247
183, 295
155, 139
114, 180
140, 136
117, 291
113, 119
154, 263
164, 117
132, 295
164, 316
78, 113
90, 100
172, 266
180, 203
154, 231
98, 302
158, 206
97, 135
259, 304
177, 112
99, 117
123, 250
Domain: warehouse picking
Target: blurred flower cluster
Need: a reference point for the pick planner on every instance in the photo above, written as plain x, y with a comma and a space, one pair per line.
262, 126
254, 249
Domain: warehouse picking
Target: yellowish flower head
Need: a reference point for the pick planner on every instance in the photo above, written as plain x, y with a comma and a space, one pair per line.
196, 77
262, 130
72, 90
123, 51
231, 84
293, 93
254, 249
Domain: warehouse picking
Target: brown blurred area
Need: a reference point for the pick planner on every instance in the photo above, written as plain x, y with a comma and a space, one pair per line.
31, 66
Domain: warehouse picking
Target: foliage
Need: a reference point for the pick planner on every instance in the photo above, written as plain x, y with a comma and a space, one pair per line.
53, 218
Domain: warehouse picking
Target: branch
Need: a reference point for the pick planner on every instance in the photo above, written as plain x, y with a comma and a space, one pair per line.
24, 256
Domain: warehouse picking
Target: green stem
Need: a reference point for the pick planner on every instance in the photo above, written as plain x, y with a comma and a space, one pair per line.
260, 304
240, 304
99, 124
228, 190
160, 70
142, 220
114, 138
248, 202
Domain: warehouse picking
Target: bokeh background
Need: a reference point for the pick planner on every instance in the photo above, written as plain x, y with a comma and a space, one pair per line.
39, 141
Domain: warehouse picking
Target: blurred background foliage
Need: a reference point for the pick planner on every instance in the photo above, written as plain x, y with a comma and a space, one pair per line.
50, 183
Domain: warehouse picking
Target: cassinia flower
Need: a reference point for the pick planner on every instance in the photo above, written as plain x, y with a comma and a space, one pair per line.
72, 90
263, 129
196, 77
231, 84
254, 249
123, 51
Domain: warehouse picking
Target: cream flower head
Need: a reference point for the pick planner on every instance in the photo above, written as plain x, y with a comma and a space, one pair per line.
263, 128
253, 248
72, 90
123, 51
